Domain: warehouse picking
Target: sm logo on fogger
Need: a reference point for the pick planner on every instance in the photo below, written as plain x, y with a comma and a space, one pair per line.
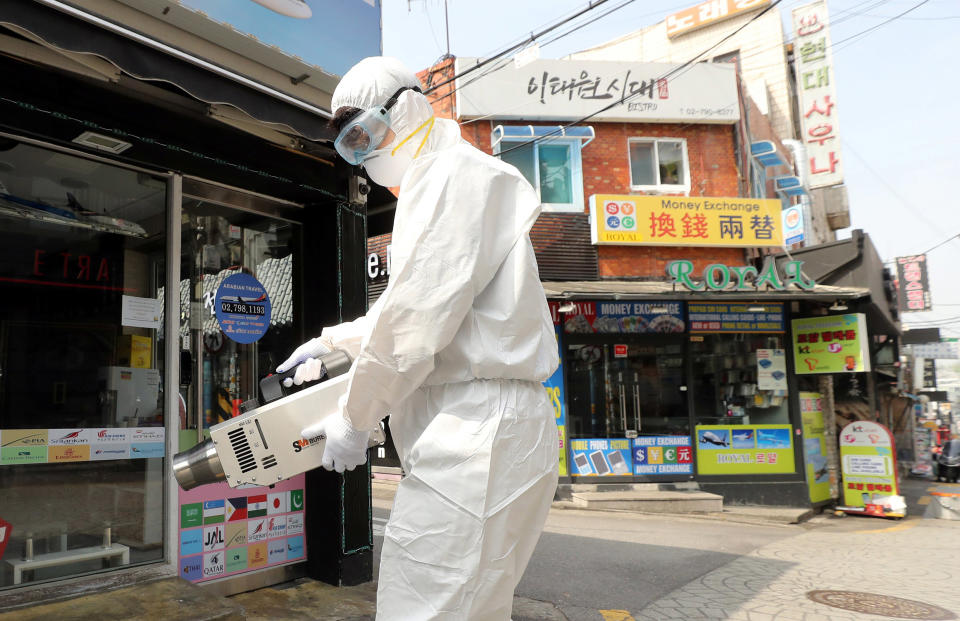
302, 443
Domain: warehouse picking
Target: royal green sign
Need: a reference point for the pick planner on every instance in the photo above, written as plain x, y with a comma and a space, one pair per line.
720, 277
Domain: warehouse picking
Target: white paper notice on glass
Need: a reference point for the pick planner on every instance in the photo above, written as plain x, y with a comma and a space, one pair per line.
140, 312
771, 369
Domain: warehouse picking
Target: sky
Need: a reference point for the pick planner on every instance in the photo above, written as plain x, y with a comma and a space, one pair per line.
897, 93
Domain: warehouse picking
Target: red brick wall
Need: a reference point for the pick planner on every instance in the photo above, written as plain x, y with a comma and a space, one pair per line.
606, 170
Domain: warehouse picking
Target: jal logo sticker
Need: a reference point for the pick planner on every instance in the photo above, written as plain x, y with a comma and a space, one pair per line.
257, 530
191, 568
294, 523
213, 564
6, 528
294, 548
277, 551
213, 538
277, 526
191, 542
257, 555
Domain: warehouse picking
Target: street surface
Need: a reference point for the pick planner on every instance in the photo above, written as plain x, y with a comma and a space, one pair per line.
612, 566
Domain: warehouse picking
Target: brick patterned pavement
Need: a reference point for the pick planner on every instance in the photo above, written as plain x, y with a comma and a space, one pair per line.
915, 559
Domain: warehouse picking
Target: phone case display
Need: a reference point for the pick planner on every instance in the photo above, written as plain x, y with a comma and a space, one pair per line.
225, 531
601, 457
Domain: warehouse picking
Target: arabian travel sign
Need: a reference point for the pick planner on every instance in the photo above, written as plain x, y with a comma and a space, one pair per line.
631, 220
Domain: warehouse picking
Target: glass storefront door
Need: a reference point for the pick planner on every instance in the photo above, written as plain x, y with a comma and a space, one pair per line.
237, 325
82, 248
627, 405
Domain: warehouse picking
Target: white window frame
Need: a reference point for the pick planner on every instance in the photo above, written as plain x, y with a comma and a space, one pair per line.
576, 166
665, 188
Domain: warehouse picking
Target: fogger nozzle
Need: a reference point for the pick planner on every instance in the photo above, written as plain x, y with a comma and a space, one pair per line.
198, 466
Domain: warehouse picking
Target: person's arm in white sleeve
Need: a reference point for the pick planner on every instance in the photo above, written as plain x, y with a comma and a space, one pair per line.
468, 219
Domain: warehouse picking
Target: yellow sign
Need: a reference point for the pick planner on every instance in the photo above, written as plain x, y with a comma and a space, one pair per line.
58, 454
629, 220
831, 344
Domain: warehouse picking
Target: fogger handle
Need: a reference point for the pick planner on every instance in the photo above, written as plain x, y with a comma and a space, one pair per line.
336, 362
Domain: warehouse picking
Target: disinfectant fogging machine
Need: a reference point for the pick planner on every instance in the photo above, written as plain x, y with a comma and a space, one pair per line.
263, 445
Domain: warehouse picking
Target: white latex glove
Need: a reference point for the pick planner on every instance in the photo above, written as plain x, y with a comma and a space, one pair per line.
312, 349
345, 448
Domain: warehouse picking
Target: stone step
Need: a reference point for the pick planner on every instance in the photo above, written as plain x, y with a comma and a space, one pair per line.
652, 501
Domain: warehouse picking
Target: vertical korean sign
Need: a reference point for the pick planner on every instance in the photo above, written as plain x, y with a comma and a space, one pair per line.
869, 463
913, 285
817, 93
815, 446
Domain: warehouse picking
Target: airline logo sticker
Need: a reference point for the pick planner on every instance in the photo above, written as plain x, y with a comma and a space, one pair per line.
236, 534
70, 437
294, 523
257, 555
191, 568
277, 526
104, 452
59, 454
213, 564
277, 551
257, 530
236, 559
294, 548
191, 542
213, 538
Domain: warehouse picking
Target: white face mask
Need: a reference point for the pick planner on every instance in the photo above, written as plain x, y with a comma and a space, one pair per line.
386, 166
387, 169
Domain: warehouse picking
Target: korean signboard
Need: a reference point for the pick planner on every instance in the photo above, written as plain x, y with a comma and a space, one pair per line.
630, 220
601, 457
817, 94
707, 14
564, 90
831, 344
735, 317
869, 465
745, 449
815, 446
662, 455
913, 284
226, 531
616, 317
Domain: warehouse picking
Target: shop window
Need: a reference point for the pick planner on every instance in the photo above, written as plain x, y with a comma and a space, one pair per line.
82, 247
737, 379
552, 167
659, 165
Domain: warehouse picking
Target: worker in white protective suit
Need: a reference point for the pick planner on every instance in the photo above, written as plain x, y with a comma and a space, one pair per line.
454, 350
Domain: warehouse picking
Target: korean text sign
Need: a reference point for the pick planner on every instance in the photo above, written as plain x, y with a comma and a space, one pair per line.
601, 457
708, 13
630, 220
815, 446
913, 285
662, 455
817, 94
745, 449
831, 344
867, 458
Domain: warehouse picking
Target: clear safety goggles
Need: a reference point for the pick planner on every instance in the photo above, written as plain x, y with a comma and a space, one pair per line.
363, 133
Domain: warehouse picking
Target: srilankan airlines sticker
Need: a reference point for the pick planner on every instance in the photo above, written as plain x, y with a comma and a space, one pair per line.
70, 437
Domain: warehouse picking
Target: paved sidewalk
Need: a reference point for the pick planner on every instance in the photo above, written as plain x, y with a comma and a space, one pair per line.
914, 560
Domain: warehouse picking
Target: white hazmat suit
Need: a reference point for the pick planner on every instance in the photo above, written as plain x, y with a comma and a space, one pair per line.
455, 351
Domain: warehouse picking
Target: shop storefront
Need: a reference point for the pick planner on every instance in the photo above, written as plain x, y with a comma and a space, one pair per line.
156, 264
665, 383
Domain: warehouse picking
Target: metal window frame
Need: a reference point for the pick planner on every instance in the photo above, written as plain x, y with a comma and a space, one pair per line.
660, 187
576, 167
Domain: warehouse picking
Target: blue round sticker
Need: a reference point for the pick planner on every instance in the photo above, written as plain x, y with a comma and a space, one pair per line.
613, 222
243, 308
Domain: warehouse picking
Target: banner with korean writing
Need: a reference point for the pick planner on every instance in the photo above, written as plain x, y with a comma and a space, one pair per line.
662, 455
745, 449
602, 457
735, 317
913, 284
629, 220
817, 94
707, 14
624, 317
831, 344
869, 464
